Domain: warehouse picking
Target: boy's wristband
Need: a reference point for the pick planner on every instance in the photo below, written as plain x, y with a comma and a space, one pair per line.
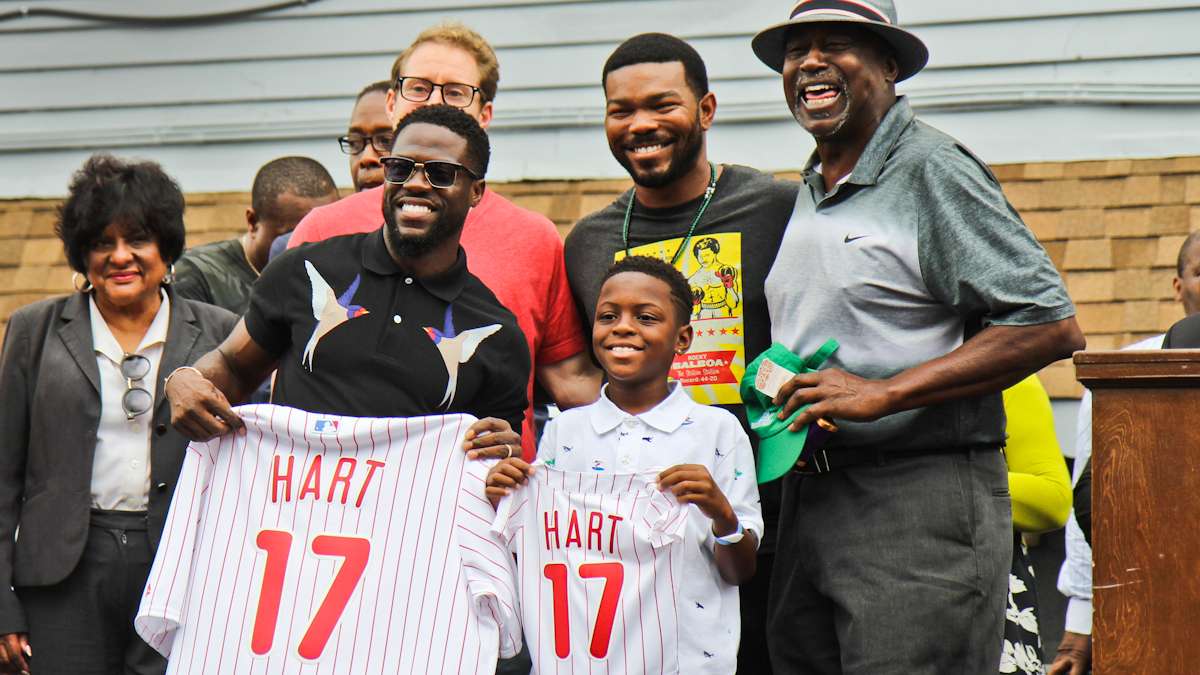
733, 537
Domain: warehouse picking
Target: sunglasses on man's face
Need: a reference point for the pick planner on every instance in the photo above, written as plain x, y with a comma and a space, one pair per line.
400, 170
137, 400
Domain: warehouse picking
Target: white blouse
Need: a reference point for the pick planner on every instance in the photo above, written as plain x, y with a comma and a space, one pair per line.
121, 466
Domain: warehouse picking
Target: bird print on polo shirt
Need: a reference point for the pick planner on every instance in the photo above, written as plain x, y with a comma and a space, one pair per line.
456, 348
329, 309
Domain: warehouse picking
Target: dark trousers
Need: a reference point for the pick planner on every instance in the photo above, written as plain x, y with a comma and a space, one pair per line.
754, 595
83, 625
894, 567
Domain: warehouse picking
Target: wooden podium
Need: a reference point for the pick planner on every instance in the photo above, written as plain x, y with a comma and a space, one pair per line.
1145, 509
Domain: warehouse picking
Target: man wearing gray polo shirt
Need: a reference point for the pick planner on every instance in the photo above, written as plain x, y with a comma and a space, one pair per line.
895, 541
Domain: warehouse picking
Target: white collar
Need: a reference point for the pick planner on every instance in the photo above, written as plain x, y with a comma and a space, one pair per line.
843, 179
667, 416
104, 342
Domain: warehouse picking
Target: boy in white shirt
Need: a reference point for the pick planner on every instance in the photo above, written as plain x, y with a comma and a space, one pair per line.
643, 421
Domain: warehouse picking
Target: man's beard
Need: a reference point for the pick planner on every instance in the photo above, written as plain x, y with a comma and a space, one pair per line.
417, 246
683, 159
798, 105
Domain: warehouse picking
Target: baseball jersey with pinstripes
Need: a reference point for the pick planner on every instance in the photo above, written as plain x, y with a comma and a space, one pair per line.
598, 559
321, 544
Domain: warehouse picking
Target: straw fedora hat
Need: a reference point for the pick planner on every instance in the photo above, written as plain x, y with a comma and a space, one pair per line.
877, 16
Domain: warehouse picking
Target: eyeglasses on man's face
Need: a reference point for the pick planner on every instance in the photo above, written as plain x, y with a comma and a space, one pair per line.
419, 90
354, 144
136, 400
400, 170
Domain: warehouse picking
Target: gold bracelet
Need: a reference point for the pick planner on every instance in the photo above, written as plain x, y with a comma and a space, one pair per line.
176, 371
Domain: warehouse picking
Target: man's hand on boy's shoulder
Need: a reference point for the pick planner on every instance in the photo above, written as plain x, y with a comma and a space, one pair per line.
505, 477
693, 484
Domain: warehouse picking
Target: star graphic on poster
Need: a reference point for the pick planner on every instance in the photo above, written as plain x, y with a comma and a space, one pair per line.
735, 330
724, 332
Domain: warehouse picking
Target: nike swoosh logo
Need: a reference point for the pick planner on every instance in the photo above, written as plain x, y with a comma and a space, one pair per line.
849, 239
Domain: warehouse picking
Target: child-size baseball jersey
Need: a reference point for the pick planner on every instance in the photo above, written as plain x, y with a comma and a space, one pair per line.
598, 564
601, 438
322, 544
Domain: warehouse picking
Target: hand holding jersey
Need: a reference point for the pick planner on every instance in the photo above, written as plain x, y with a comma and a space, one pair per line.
199, 409
693, 484
504, 477
491, 437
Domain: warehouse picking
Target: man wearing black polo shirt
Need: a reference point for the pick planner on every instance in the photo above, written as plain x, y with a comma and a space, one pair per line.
383, 324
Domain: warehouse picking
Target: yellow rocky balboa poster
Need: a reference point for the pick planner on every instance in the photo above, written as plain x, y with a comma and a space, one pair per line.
716, 362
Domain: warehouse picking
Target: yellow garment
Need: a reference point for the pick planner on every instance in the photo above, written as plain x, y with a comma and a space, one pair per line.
1037, 472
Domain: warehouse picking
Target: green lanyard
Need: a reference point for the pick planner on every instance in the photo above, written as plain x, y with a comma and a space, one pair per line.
708, 195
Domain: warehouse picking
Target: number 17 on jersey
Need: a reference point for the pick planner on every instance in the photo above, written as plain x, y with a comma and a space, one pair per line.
277, 544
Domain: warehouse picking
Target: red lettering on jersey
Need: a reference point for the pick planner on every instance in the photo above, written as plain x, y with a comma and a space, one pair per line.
595, 530
311, 487
312, 481
573, 531
595, 522
278, 478
612, 530
339, 477
374, 464
547, 528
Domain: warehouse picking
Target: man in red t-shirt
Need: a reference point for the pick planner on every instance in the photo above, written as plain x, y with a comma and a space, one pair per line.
517, 253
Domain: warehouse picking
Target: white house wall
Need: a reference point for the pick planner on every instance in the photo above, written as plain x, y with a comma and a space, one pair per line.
1017, 81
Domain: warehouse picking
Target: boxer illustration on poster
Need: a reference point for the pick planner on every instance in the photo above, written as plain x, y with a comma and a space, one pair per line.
714, 365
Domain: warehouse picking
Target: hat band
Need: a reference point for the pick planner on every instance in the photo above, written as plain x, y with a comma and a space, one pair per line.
840, 7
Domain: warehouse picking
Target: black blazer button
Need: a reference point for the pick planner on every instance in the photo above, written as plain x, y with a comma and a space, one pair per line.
160, 487
160, 430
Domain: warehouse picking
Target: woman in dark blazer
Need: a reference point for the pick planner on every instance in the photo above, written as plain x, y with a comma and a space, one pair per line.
88, 459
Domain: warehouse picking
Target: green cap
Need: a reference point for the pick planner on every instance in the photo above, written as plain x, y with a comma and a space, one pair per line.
778, 446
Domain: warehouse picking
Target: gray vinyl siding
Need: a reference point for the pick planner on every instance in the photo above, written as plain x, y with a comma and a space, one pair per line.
1021, 80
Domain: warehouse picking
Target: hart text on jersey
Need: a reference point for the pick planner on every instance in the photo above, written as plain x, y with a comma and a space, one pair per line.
348, 476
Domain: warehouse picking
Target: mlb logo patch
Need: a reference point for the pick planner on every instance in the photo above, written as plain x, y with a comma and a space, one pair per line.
325, 426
